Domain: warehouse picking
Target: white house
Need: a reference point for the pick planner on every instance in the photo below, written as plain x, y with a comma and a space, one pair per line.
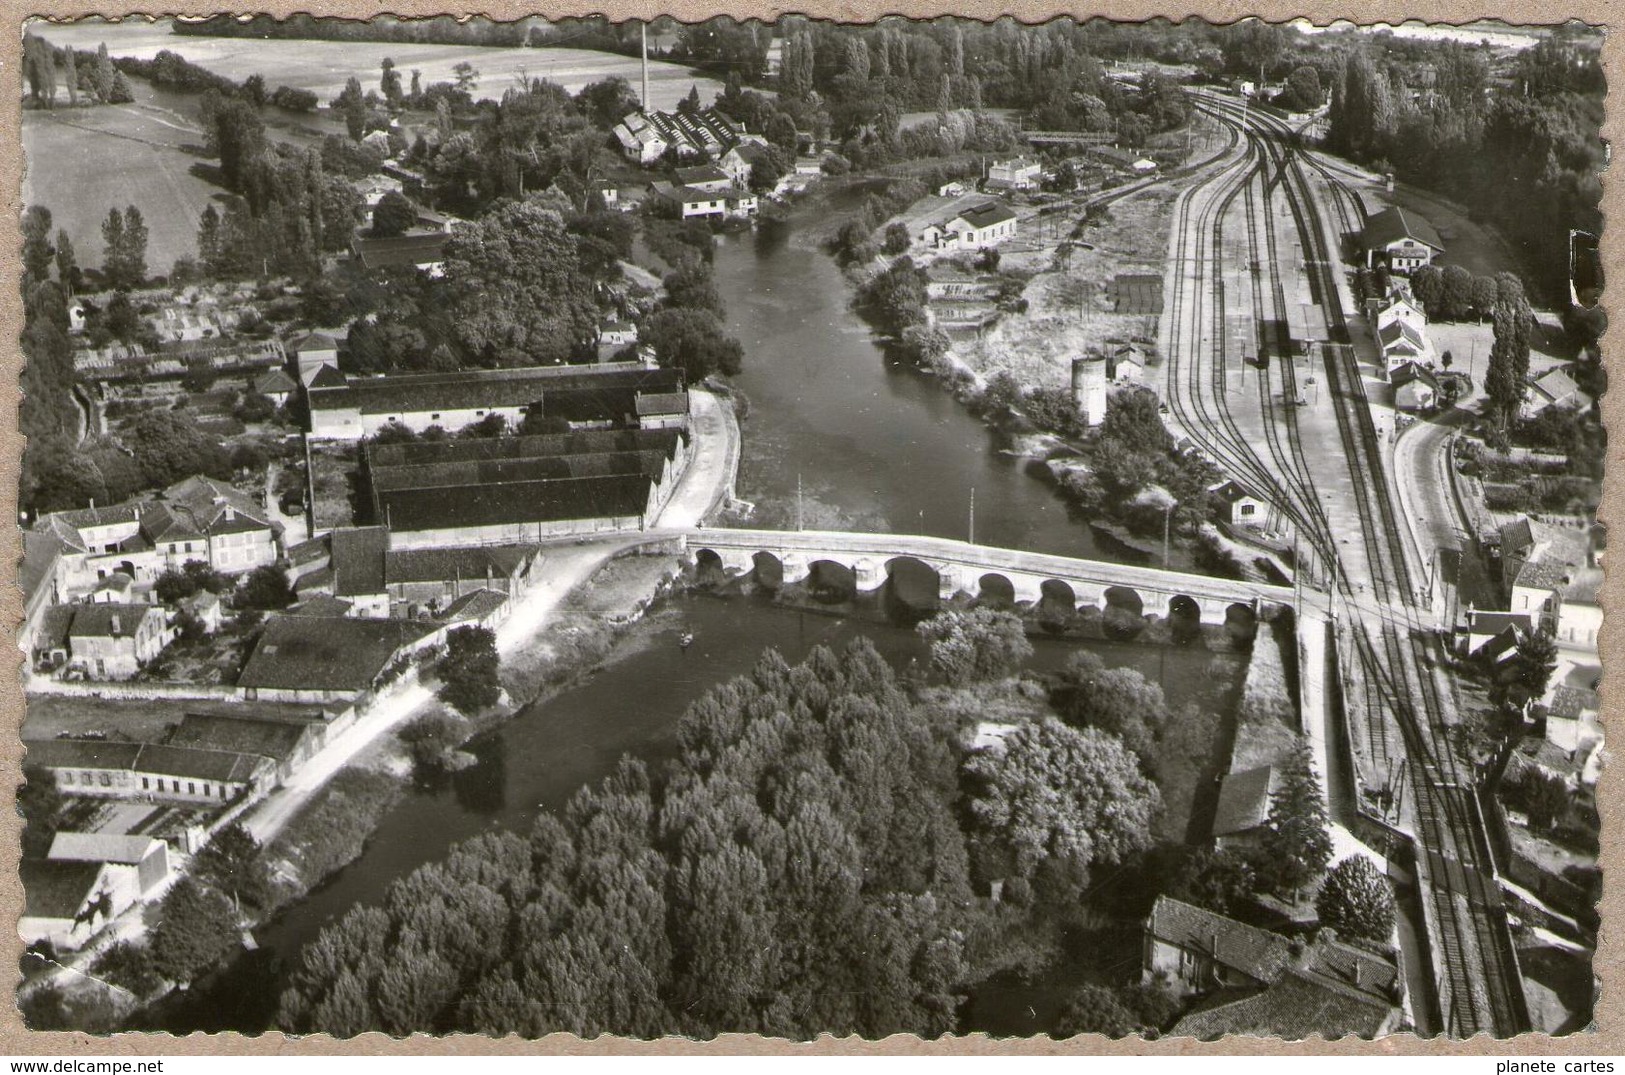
1238, 506
1018, 173
1554, 388
1403, 241
986, 225
1415, 388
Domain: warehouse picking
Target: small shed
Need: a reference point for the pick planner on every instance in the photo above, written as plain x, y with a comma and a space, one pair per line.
1239, 506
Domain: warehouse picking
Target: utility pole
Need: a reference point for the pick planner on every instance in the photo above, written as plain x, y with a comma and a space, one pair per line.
973, 515
1167, 523
798, 501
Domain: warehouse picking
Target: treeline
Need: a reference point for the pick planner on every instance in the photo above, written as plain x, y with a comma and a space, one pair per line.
440, 30
1520, 147
808, 863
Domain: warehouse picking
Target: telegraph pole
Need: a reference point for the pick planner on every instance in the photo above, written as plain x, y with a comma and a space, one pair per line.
973, 515
798, 501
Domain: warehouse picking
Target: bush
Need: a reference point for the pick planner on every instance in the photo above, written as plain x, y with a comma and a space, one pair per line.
469, 672
129, 966
432, 737
1357, 901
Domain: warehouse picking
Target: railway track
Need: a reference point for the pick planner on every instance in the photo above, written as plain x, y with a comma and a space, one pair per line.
1478, 986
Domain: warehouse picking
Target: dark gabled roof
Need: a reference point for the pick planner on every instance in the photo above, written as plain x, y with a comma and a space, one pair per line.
312, 341
1231, 491
509, 471
1299, 1005
1481, 622
1392, 225
987, 214
53, 629
329, 378
339, 654
1556, 385
80, 754
1518, 534
358, 560
110, 619
465, 562
272, 381
58, 889
475, 606
1395, 331
555, 500
400, 251
197, 764
275, 739
1255, 952
583, 442
1572, 703
420, 393
1244, 801
1409, 372
702, 173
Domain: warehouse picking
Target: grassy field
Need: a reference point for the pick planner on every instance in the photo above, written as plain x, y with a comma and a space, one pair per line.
323, 66
81, 162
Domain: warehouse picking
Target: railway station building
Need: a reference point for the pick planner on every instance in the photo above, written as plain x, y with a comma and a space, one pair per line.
1400, 240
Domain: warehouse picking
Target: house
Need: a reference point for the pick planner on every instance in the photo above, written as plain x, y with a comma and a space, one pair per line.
206, 607
617, 334
485, 608
369, 578
148, 857
1401, 240
1016, 174
1578, 612
1245, 980
276, 386
1238, 506
312, 659
612, 199
1415, 388
113, 641
1398, 311
1143, 166
707, 178
641, 141
985, 225
1401, 344
66, 903
1573, 719
1126, 364
150, 772
739, 160
1491, 635
289, 744
690, 203
1244, 807
311, 352
419, 250
1540, 563
358, 569
1554, 388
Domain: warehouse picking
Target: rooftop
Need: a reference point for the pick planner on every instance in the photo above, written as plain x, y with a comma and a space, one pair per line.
399, 251
338, 654
1393, 224
1244, 801
1255, 952
101, 847
358, 560
275, 739
58, 889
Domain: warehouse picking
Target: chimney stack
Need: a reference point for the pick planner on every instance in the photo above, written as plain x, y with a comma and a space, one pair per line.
117, 623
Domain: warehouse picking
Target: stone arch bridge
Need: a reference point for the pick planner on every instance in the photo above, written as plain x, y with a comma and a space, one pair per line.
981, 571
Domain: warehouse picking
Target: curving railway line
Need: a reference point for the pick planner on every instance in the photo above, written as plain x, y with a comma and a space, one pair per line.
1361, 555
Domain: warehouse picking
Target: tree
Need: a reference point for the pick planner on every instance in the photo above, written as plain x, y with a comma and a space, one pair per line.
254, 90
1296, 842
106, 75
897, 239
432, 737
693, 341
67, 263
1054, 794
266, 588
1094, 1009
37, 250
133, 255
1303, 92
1120, 701
1484, 294
389, 83
469, 672
1427, 284
975, 646
167, 447
1357, 901
607, 101
393, 215
196, 931
70, 75
780, 130
1456, 294
40, 804
1545, 799
767, 169
466, 76
1534, 663
1221, 881
234, 865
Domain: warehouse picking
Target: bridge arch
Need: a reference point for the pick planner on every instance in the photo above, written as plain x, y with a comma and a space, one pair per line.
830, 582
1241, 622
1122, 612
995, 591
767, 570
913, 584
709, 570
1184, 618
1056, 600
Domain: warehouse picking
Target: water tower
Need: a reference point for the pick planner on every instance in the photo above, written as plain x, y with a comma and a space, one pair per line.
1089, 384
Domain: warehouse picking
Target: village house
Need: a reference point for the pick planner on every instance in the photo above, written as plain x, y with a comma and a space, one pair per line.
1126, 364
151, 772
1492, 636
1015, 174
1554, 388
311, 352
1245, 980
1398, 310
276, 386
146, 856
1415, 388
691, 203
99, 640
705, 177
988, 224
1573, 719
1403, 345
372, 579
1238, 506
740, 159
317, 659
1401, 240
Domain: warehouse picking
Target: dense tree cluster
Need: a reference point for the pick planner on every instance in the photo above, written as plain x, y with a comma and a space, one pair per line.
1527, 155
1357, 901
468, 672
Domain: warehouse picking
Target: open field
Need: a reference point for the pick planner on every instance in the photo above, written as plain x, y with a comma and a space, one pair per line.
323, 66
80, 162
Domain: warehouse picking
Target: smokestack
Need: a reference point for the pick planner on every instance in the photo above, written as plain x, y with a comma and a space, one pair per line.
643, 29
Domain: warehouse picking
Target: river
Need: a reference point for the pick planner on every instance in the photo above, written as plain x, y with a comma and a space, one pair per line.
874, 445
